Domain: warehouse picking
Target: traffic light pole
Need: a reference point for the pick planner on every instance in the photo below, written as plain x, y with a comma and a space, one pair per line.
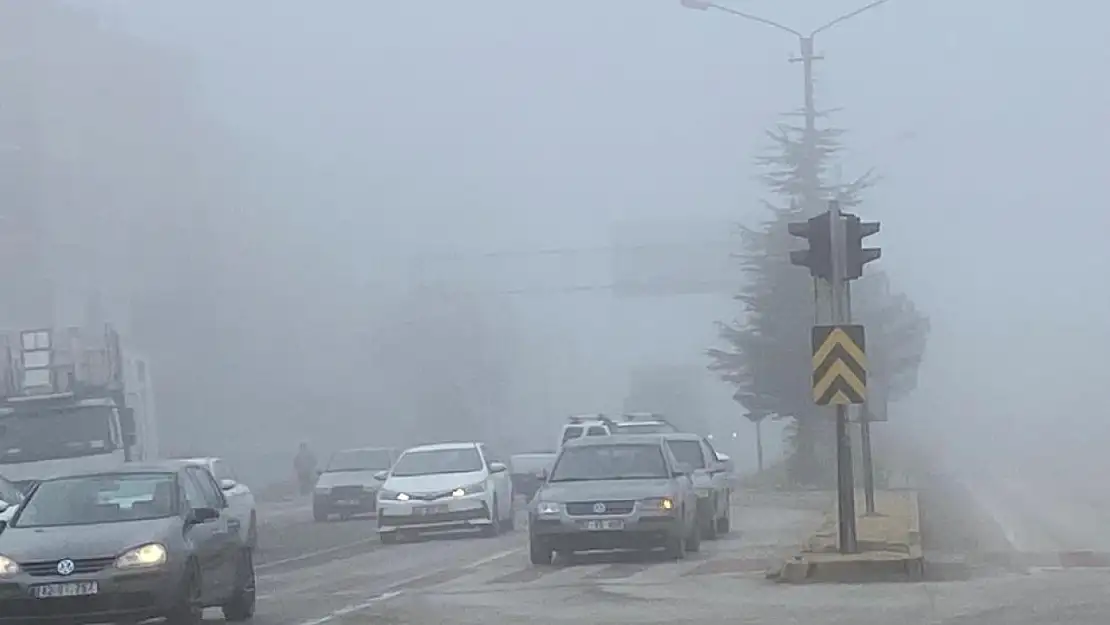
841, 314
868, 466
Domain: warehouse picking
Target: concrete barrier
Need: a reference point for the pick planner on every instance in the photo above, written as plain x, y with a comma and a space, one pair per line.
889, 546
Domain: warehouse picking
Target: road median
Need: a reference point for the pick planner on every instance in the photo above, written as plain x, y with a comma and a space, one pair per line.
889, 546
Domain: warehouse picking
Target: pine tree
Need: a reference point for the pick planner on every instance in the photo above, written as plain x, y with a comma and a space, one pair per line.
767, 349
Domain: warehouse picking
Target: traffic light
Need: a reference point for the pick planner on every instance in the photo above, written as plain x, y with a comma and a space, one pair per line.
857, 255
819, 255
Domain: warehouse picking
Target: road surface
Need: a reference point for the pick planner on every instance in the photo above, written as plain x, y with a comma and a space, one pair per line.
336, 573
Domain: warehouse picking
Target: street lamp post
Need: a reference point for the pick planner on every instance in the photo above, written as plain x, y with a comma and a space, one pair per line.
812, 203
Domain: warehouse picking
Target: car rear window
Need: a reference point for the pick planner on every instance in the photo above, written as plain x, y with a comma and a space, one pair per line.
571, 433
610, 462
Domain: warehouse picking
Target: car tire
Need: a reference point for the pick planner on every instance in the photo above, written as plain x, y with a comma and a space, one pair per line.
709, 524
319, 515
539, 553
252, 532
243, 600
693, 541
724, 524
189, 609
675, 547
494, 527
387, 538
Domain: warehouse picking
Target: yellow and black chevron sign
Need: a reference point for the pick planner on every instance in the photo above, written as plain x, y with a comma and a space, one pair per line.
839, 365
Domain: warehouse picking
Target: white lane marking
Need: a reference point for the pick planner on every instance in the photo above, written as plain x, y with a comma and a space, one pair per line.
351, 609
313, 554
394, 589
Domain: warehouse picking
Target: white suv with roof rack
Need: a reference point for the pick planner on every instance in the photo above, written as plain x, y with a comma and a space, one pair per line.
582, 425
644, 423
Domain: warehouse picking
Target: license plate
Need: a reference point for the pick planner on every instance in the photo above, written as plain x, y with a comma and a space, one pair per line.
426, 510
347, 502
73, 589
613, 524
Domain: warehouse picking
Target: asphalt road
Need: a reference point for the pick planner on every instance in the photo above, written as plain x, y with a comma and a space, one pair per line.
337, 573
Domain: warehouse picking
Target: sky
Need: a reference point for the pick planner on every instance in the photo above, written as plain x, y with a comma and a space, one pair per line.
494, 125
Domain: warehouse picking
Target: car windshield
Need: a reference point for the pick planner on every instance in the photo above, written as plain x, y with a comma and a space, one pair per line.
432, 461
10, 493
110, 498
50, 433
688, 452
360, 460
610, 462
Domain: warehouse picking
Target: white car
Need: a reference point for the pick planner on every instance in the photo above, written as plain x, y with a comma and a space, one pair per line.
10, 498
240, 500
449, 486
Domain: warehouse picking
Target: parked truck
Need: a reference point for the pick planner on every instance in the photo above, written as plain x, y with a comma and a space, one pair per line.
72, 400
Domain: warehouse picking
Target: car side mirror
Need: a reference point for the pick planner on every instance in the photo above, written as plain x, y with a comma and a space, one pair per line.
722, 458
202, 515
381, 476
227, 484
497, 467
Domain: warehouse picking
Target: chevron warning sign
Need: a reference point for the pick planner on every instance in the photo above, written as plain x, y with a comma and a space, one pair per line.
839, 365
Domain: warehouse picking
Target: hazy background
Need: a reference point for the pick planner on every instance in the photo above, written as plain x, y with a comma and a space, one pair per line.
300, 167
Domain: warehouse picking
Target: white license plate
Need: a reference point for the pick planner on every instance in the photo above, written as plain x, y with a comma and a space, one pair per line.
72, 589
614, 524
347, 502
426, 510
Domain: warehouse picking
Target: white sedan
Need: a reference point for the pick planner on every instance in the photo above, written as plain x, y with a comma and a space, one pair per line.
449, 486
240, 500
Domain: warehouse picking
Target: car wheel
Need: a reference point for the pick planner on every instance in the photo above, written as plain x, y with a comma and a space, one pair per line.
387, 538
709, 525
724, 524
539, 553
319, 515
242, 603
252, 532
189, 609
693, 541
494, 527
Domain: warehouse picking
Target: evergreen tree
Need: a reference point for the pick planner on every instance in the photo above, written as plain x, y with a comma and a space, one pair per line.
767, 352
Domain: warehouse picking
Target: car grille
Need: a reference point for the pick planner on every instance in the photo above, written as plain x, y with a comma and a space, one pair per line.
82, 565
586, 508
429, 496
347, 492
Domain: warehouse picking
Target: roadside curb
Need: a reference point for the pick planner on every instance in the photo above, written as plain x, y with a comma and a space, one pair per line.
890, 547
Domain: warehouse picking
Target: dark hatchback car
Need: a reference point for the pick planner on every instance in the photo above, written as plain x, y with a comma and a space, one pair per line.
348, 485
137, 543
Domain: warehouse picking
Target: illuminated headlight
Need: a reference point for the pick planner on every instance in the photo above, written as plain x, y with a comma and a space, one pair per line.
389, 495
660, 504
152, 554
473, 489
8, 567
548, 507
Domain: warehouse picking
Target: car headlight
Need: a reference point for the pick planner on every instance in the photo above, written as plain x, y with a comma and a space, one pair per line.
151, 554
391, 495
548, 507
472, 489
660, 504
8, 567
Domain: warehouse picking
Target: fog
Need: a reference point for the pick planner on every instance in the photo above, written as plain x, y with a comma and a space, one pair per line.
394, 221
